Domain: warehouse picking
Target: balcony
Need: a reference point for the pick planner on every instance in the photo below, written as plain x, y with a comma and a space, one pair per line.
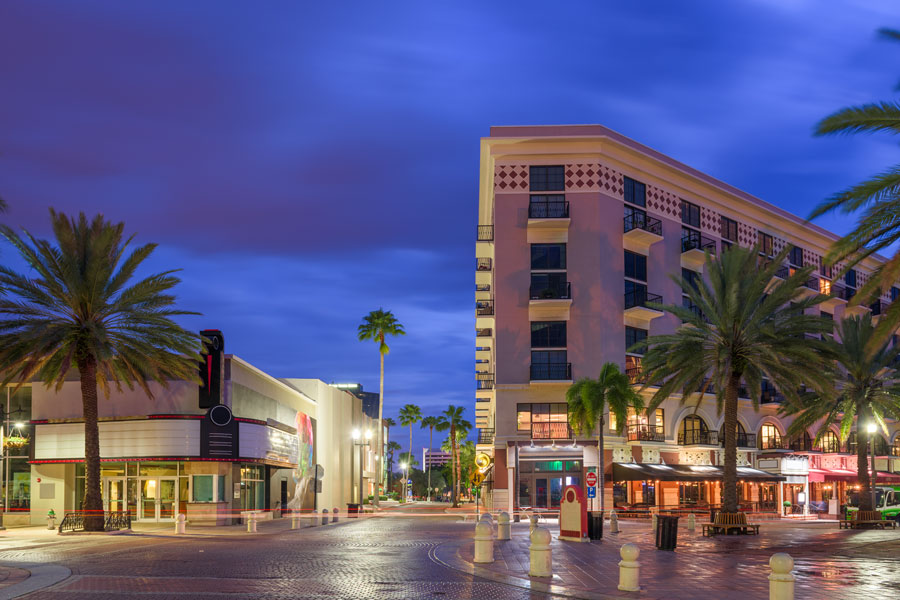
636, 305
641, 232
694, 249
879, 307
562, 291
484, 308
744, 440
773, 444
551, 371
486, 436
483, 264
484, 381
485, 233
645, 433
809, 288
551, 431
548, 209
549, 301
635, 376
548, 222
771, 396
837, 294
698, 438
484, 332
802, 445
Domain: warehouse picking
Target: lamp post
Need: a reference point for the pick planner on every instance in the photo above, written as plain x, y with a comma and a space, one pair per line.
403, 468
871, 428
358, 441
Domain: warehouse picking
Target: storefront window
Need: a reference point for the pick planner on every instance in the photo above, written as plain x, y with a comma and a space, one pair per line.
829, 442
16, 483
253, 488
769, 437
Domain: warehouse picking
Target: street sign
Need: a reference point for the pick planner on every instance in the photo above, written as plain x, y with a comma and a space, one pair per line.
409, 481
592, 492
591, 479
477, 478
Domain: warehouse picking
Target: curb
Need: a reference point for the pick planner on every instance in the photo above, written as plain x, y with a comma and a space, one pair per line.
42, 576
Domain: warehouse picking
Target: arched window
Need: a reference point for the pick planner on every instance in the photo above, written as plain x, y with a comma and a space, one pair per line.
829, 442
802, 442
693, 431
742, 439
895, 449
769, 437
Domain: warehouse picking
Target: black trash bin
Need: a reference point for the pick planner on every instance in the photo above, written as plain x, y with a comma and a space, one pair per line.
595, 525
352, 511
666, 532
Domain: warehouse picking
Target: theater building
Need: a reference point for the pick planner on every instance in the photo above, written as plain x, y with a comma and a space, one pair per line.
579, 228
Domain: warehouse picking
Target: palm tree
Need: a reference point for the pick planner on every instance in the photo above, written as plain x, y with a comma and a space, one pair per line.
387, 423
391, 448
77, 312
452, 420
867, 389
430, 423
879, 199
377, 325
748, 325
588, 400
410, 414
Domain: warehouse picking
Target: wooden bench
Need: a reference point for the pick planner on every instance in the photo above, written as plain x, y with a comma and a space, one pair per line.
726, 522
867, 518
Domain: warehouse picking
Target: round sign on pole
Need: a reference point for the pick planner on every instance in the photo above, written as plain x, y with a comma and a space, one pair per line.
591, 479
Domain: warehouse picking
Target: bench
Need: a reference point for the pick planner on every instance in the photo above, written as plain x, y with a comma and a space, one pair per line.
726, 522
867, 518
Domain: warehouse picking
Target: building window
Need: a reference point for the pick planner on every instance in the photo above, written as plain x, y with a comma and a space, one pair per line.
635, 266
729, 229
549, 285
829, 442
766, 244
769, 437
895, 293
549, 420
796, 256
16, 483
693, 430
635, 294
548, 206
635, 192
692, 278
547, 179
548, 334
548, 256
208, 488
690, 214
636, 218
881, 446
850, 281
633, 335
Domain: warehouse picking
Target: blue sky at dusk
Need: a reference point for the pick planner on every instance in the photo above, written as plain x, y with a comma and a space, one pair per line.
305, 163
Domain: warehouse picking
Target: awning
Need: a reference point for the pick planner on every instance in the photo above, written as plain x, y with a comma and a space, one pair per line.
643, 471
820, 475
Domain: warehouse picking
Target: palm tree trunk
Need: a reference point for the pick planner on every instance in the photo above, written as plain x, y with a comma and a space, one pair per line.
409, 458
458, 469
387, 467
93, 500
430, 434
601, 466
862, 467
380, 447
729, 483
455, 488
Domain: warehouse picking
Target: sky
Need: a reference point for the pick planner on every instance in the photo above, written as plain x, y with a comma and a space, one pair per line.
305, 163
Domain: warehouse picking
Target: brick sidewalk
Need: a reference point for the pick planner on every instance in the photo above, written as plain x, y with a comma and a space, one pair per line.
829, 564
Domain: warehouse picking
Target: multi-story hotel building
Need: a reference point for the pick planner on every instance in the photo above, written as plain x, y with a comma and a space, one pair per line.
579, 228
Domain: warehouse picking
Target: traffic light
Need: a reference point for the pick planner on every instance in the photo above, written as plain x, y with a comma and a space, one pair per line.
211, 369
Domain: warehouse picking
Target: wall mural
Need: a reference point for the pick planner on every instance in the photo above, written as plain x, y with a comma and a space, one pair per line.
304, 474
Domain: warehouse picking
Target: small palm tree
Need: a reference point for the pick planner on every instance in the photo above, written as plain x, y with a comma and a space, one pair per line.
377, 325
81, 310
410, 414
451, 420
387, 422
430, 423
588, 400
867, 390
745, 328
391, 448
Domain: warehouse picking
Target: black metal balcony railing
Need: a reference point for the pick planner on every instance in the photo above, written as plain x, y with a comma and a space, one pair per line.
783, 272
698, 438
698, 242
548, 209
744, 440
840, 292
484, 332
801, 445
640, 297
484, 381
635, 375
483, 264
484, 307
646, 433
643, 222
486, 435
772, 443
563, 291
485, 233
551, 371
812, 283
551, 431
770, 396
879, 307
482, 287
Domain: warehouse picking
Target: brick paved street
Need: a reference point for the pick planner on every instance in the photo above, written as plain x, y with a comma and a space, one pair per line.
420, 556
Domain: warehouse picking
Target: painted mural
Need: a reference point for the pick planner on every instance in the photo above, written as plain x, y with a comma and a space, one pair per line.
304, 474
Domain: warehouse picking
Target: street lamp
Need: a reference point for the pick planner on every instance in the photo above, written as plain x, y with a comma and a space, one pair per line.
357, 441
871, 428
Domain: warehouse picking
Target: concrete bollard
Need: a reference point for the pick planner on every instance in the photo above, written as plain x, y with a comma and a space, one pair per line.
251, 522
295, 520
692, 522
613, 522
629, 569
314, 518
334, 516
484, 543
533, 521
180, 522
324, 516
503, 526
653, 522
781, 580
539, 554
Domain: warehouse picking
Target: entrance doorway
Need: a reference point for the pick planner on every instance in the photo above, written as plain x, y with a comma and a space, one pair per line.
113, 492
158, 498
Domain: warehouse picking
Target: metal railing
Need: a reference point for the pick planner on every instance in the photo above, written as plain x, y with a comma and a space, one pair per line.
812, 283
773, 444
482, 287
485, 233
551, 371
117, 520
744, 440
486, 435
697, 437
484, 332
551, 431
783, 272
562, 291
635, 375
112, 521
641, 298
483, 264
646, 433
484, 307
698, 242
484, 381
643, 222
840, 292
548, 209
801, 445
879, 307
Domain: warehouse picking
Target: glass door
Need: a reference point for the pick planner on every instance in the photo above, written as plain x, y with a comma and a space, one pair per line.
114, 494
149, 498
167, 498
540, 492
159, 498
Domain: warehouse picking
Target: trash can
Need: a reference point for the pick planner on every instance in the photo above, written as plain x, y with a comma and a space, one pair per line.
666, 532
595, 525
352, 511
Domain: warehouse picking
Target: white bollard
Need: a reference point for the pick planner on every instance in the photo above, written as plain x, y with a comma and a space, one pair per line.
180, 520
539, 554
613, 522
503, 526
334, 516
295, 520
484, 543
629, 569
314, 520
324, 516
653, 522
692, 522
251, 522
533, 521
781, 580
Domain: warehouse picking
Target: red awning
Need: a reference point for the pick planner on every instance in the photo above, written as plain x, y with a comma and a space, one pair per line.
820, 475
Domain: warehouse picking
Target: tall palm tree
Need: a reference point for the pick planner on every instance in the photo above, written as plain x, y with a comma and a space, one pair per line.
410, 414
748, 325
867, 390
387, 422
452, 420
878, 198
430, 423
391, 448
377, 325
82, 310
588, 400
